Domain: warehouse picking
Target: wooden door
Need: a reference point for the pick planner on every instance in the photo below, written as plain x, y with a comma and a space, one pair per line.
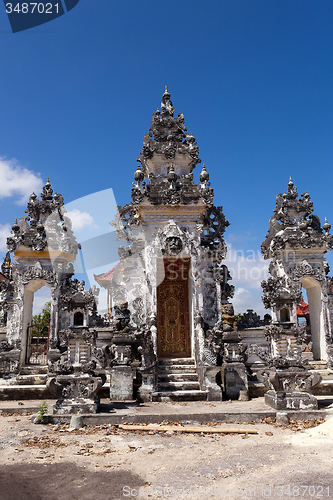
173, 324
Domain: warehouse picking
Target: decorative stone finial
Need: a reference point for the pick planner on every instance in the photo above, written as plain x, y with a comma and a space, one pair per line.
292, 190
47, 193
166, 104
138, 176
204, 176
15, 226
168, 137
326, 226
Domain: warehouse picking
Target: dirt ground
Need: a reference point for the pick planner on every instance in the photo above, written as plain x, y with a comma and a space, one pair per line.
53, 462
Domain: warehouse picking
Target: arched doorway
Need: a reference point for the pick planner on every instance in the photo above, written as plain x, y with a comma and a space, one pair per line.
313, 292
36, 323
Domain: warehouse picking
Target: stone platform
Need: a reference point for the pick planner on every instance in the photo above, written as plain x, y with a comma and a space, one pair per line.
198, 411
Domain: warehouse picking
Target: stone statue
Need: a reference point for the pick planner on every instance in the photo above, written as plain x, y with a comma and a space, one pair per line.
173, 245
228, 318
122, 316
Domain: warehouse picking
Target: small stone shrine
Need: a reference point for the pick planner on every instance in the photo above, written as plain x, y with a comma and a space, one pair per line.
44, 250
297, 244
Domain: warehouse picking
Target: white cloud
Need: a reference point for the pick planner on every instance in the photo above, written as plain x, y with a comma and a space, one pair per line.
245, 299
79, 219
101, 206
4, 233
18, 181
41, 297
248, 269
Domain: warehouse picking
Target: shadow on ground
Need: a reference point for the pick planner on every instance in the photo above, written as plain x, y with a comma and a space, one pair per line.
63, 481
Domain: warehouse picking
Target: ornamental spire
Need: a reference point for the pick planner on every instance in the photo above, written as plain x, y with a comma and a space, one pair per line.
168, 138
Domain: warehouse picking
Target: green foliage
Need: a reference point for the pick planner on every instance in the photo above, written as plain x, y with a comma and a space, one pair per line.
42, 411
41, 322
238, 317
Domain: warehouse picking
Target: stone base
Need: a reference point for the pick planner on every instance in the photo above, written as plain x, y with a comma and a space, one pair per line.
291, 400
121, 383
234, 380
148, 387
213, 384
71, 406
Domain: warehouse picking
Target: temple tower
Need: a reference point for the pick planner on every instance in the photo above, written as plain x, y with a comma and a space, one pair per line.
297, 243
170, 272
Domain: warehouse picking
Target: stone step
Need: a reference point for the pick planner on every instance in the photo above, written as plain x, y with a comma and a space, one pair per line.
179, 396
38, 379
178, 377
175, 361
317, 365
165, 370
17, 392
178, 386
33, 369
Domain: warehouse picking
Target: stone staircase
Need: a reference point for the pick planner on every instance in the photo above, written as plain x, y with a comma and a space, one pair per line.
30, 383
178, 381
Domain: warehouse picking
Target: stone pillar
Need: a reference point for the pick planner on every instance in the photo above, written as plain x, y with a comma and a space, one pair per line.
148, 386
234, 381
233, 371
121, 374
121, 383
212, 383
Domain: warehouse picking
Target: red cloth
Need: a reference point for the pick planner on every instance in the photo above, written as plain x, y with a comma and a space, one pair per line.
303, 309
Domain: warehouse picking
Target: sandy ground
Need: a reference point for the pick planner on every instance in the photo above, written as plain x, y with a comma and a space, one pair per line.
53, 462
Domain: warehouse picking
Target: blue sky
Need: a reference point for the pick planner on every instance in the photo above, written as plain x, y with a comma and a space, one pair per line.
252, 77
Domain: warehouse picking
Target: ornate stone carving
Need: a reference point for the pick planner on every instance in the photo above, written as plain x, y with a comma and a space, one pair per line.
229, 322
250, 319
214, 224
73, 295
37, 271
292, 226
209, 297
279, 290
305, 269
138, 314
168, 135
145, 349
262, 351
6, 267
122, 316
45, 225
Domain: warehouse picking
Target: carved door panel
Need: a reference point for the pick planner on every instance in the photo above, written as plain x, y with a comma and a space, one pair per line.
173, 313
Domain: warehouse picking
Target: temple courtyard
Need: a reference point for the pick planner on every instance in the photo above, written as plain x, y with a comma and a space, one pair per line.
103, 461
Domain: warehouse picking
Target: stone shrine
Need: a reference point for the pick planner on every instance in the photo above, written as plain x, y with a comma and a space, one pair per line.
169, 332
297, 244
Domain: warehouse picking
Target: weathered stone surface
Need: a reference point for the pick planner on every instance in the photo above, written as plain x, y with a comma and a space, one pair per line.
282, 418
121, 383
291, 400
148, 386
76, 405
76, 422
234, 380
